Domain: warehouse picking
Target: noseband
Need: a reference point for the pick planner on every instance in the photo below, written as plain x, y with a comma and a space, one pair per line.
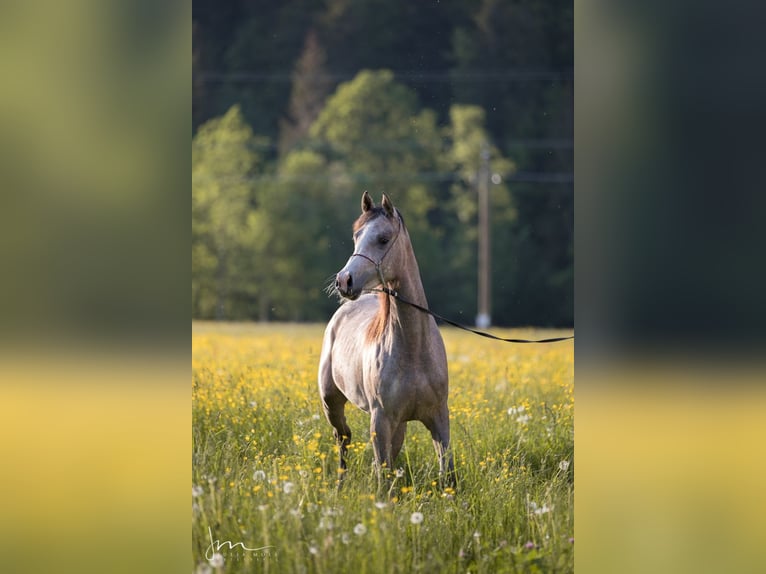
378, 264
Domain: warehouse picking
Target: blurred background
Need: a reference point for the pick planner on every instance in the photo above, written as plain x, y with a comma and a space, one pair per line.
298, 107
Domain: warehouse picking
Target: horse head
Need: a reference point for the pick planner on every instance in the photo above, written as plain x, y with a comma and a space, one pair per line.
376, 249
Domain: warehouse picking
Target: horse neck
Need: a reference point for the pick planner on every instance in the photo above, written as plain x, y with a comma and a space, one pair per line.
414, 323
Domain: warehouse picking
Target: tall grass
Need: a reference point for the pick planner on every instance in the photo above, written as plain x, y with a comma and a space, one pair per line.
265, 465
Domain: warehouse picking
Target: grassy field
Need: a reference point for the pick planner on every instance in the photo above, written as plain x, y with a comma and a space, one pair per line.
264, 462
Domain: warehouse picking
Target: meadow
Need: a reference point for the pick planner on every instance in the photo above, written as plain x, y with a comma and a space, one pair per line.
264, 462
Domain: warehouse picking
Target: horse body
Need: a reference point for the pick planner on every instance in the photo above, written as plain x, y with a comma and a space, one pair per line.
386, 358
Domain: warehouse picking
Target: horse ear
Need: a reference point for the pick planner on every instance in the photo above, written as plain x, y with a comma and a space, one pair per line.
387, 205
367, 203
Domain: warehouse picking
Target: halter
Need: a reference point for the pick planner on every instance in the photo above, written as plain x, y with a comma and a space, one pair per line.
390, 245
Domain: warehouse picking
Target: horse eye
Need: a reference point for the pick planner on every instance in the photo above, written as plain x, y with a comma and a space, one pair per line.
383, 239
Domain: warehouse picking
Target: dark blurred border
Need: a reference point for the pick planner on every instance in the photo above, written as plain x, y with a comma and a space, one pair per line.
670, 282
95, 110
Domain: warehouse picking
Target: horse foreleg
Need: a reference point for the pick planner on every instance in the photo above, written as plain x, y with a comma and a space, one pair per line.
440, 434
397, 440
334, 410
380, 432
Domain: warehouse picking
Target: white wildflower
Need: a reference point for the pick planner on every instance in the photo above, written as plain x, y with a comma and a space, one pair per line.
543, 510
380, 505
360, 529
288, 487
216, 560
416, 517
325, 523
399, 473
523, 419
197, 491
564, 465
259, 476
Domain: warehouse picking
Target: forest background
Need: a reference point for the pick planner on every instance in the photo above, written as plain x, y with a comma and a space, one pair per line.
299, 106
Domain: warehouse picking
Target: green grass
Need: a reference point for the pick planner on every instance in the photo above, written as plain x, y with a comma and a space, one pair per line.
264, 462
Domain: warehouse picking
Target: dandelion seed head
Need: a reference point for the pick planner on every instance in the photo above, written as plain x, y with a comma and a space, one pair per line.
325, 523
416, 517
360, 529
543, 510
216, 560
288, 487
197, 491
259, 476
564, 465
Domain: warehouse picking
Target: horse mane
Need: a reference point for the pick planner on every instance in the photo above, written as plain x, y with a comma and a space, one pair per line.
377, 326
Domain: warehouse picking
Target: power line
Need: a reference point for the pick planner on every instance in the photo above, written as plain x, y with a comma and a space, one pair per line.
423, 176
411, 143
514, 74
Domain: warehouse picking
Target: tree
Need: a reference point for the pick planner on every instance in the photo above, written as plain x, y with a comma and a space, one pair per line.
224, 158
310, 88
305, 220
468, 136
374, 127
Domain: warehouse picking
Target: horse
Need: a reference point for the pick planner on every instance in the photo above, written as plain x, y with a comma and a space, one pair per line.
384, 356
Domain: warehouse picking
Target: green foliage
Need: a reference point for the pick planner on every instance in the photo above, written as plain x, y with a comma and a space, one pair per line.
300, 244
224, 229
386, 96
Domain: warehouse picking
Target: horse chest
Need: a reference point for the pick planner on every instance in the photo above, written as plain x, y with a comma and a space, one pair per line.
395, 384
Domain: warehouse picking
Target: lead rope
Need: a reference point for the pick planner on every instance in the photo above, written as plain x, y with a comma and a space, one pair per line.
398, 297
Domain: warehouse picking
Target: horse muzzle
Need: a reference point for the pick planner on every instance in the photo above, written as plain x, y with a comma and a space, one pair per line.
344, 283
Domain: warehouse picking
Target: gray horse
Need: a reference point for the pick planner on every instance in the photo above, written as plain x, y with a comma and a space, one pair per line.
384, 356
